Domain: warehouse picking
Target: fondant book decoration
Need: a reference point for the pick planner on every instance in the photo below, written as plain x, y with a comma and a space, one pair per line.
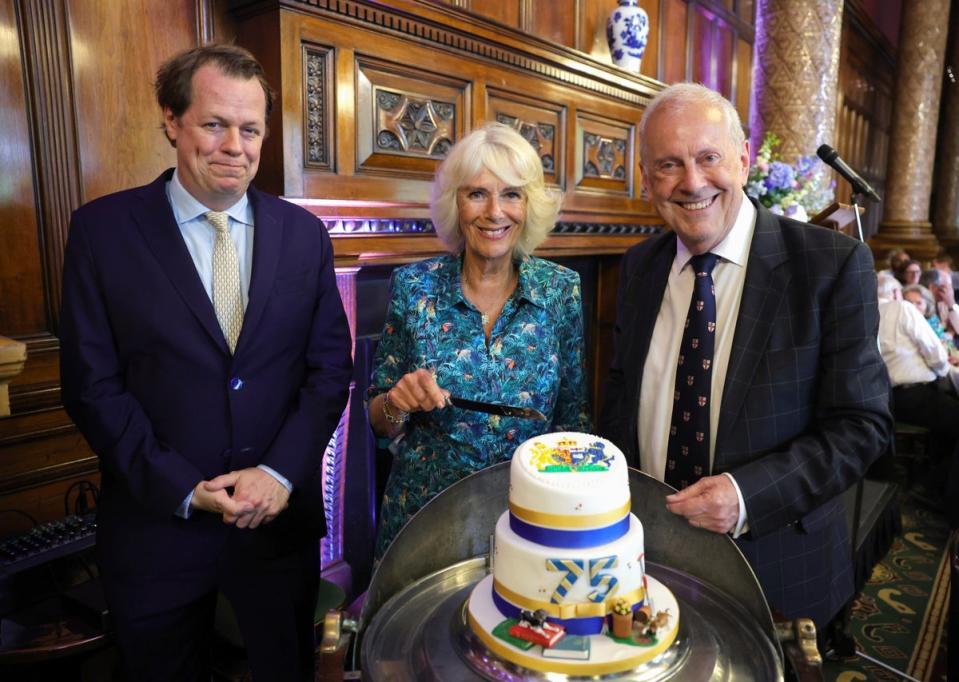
574, 647
501, 631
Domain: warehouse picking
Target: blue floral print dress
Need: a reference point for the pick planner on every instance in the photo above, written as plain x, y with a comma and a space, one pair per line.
534, 358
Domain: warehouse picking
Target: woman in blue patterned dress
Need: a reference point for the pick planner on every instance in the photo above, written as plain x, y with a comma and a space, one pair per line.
488, 321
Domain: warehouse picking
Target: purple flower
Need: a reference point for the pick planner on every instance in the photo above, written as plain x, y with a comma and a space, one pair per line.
797, 212
781, 176
804, 164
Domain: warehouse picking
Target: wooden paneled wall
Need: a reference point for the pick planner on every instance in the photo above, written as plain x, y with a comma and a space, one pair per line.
708, 41
369, 113
867, 68
78, 121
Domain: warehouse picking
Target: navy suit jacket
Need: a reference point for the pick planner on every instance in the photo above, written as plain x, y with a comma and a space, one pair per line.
149, 380
805, 406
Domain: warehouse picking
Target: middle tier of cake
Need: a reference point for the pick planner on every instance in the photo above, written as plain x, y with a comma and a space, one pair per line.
576, 586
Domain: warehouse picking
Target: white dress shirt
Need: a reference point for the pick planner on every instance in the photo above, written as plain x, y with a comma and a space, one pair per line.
910, 348
659, 372
949, 315
199, 236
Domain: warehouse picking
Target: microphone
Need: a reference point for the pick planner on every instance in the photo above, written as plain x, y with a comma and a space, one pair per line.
859, 186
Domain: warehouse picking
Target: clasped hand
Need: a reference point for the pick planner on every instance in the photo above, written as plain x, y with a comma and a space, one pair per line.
257, 497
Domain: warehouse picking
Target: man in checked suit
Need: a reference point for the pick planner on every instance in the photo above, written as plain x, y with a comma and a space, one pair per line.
794, 398
206, 359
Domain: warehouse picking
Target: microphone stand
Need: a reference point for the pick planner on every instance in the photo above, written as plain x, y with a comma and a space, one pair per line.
855, 208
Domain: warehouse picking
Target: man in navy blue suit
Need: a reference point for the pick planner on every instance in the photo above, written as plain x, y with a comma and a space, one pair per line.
791, 406
206, 359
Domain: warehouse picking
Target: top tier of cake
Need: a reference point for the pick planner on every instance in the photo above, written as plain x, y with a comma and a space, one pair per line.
569, 480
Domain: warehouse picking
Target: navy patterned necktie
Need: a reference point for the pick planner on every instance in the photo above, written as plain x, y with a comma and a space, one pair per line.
687, 457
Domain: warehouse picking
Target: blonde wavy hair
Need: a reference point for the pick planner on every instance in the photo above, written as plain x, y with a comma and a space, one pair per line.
507, 155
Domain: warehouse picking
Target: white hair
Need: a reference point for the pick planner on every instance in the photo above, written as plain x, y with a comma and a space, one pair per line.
681, 95
887, 286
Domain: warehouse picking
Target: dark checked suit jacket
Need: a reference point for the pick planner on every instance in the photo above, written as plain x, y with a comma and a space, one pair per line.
149, 381
805, 404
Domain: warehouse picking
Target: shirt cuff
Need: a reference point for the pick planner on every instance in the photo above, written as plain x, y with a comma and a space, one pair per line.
278, 476
742, 524
184, 510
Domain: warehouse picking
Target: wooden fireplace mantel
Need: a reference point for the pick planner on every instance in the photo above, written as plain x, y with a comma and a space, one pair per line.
373, 94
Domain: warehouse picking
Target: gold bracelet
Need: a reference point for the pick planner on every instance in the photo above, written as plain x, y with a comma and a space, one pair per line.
401, 419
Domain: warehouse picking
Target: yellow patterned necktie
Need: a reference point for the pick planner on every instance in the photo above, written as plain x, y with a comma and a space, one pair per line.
227, 301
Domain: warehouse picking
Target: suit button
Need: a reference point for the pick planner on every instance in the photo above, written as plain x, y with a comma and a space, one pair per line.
236, 383
226, 454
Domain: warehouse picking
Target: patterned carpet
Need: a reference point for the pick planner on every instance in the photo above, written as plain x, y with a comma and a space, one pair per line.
900, 616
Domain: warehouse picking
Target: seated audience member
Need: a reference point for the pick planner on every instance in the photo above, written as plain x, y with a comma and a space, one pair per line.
486, 322
896, 259
913, 353
915, 359
925, 303
943, 261
940, 286
909, 273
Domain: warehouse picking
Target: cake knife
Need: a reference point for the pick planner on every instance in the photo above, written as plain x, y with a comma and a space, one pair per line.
496, 408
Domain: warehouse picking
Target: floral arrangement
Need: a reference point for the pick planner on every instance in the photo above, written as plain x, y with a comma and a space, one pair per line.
622, 607
793, 191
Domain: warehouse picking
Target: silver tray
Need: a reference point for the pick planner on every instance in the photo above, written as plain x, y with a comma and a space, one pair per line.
421, 635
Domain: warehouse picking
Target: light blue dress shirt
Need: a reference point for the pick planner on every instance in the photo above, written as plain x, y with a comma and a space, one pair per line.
199, 236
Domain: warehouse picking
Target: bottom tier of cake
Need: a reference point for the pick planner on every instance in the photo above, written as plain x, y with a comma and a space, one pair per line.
605, 654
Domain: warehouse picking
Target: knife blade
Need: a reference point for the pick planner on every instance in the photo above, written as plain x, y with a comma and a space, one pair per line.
496, 408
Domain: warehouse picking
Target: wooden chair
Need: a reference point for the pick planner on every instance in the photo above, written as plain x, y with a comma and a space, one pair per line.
912, 445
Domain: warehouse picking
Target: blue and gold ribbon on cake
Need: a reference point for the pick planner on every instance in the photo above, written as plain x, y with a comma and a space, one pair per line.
579, 618
569, 530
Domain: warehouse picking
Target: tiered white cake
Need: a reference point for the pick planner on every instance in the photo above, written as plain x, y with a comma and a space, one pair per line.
569, 545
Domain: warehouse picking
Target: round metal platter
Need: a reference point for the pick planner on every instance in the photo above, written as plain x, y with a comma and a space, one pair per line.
421, 634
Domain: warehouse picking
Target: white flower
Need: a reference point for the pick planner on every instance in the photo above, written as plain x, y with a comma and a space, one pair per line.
797, 212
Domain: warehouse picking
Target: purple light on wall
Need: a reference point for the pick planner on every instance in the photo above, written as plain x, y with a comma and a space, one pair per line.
704, 59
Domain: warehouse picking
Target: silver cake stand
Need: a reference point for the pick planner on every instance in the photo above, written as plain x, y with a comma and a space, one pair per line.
413, 625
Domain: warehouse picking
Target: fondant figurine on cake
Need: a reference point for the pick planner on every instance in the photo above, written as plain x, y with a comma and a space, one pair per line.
649, 625
533, 627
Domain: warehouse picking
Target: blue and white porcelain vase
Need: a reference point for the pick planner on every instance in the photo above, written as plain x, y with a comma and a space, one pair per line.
627, 32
